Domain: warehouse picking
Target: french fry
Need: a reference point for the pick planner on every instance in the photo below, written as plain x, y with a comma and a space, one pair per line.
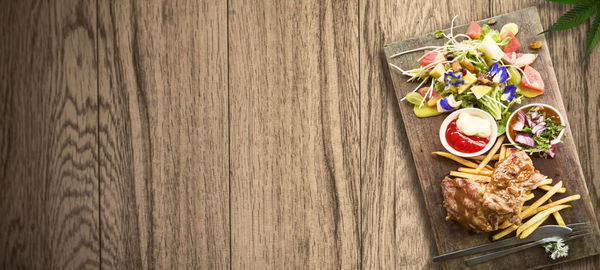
470, 176
504, 232
547, 187
457, 159
482, 157
533, 227
575, 197
472, 171
490, 154
502, 152
559, 202
558, 217
528, 197
505, 225
541, 200
546, 181
539, 217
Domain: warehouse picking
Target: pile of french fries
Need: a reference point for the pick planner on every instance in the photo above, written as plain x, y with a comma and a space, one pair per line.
478, 169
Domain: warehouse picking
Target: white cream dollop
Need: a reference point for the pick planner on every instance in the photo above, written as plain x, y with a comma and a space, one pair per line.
473, 125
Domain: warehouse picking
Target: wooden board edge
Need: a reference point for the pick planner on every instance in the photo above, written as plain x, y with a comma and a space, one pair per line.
586, 197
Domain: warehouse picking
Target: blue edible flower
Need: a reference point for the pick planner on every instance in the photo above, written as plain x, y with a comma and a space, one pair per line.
444, 104
458, 82
498, 74
509, 92
493, 69
448, 78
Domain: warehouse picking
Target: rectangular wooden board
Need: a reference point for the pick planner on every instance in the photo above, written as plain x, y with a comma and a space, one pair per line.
423, 135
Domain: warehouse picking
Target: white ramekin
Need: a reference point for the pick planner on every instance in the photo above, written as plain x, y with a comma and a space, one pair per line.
474, 111
562, 120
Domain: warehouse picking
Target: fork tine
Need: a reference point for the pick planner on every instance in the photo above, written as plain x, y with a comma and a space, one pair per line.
576, 236
575, 225
580, 230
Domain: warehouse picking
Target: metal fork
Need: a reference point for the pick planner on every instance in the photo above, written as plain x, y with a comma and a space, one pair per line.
542, 232
579, 230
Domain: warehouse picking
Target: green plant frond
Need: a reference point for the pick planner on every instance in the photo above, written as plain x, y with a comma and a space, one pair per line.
576, 16
593, 37
566, 1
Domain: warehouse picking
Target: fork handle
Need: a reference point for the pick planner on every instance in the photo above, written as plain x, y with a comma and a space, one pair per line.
479, 249
502, 253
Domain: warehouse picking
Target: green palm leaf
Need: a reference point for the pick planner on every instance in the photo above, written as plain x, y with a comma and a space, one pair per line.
566, 1
593, 37
574, 17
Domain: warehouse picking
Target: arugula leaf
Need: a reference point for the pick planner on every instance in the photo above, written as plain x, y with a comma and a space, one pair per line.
485, 29
502, 123
438, 86
573, 17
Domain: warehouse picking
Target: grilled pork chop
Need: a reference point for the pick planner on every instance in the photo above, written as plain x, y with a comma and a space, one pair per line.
483, 206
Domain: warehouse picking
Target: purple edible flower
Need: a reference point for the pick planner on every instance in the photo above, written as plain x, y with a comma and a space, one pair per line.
501, 76
444, 104
493, 69
498, 74
525, 139
458, 82
509, 92
448, 78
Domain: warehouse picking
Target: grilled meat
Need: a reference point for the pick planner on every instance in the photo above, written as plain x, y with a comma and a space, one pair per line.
483, 206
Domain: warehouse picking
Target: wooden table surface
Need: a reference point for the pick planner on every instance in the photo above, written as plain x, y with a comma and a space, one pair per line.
228, 134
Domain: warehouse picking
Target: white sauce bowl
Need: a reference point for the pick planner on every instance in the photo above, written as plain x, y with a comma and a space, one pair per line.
478, 112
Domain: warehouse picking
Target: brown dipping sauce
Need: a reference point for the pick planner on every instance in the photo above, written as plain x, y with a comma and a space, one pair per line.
549, 113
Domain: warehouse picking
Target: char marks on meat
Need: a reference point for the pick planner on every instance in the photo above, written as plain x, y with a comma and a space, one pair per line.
483, 206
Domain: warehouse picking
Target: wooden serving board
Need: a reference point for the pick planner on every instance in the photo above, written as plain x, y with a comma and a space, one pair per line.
423, 135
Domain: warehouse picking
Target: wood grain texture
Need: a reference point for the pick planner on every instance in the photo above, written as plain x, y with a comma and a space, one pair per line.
48, 136
451, 236
164, 134
396, 232
294, 108
321, 175
581, 97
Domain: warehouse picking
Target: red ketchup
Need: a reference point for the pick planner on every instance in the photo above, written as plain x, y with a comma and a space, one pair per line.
464, 143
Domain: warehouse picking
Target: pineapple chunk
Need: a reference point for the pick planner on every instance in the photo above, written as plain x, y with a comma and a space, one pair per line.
480, 90
469, 79
437, 71
433, 101
490, 49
